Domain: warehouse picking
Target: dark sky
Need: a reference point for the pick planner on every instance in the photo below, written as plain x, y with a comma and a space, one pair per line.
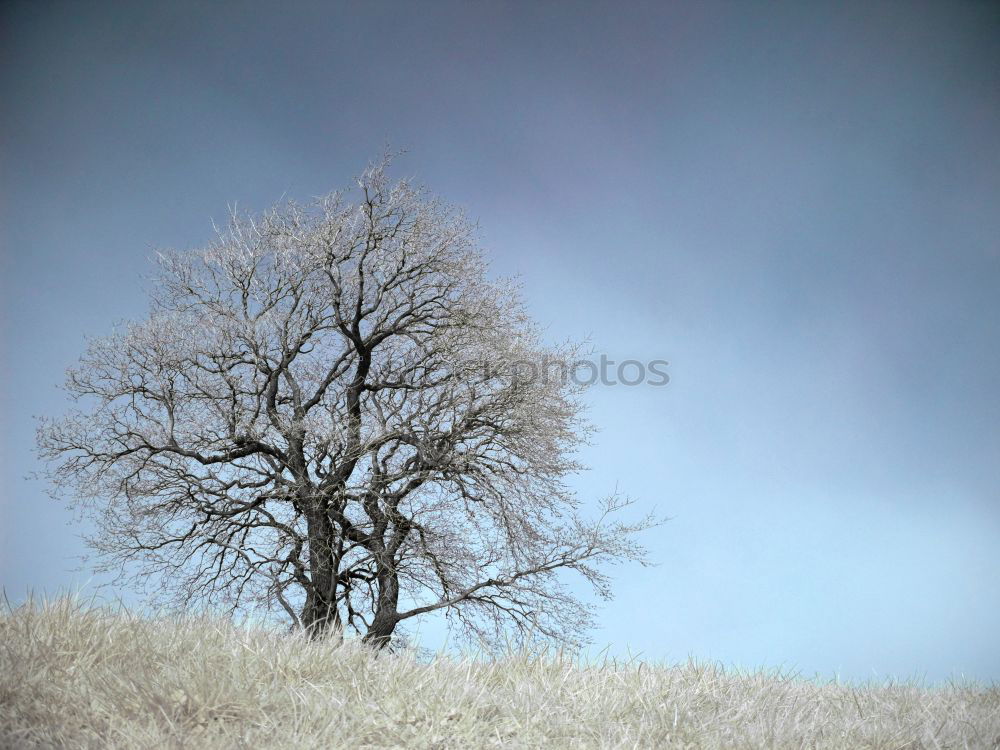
796, 204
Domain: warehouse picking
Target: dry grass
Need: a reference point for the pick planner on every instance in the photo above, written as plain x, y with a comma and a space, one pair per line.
73, 676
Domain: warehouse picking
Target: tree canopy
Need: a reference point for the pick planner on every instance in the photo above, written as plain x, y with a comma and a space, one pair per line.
327, 412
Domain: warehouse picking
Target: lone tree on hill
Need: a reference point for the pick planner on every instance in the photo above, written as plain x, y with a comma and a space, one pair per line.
326, 410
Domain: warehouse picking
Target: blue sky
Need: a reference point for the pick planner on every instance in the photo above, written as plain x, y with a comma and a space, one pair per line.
796, 204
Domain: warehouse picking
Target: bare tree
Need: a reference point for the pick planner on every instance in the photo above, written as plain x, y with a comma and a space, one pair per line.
324, 411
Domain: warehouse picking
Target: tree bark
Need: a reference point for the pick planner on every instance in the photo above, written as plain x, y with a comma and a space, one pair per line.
387, 611
320, 614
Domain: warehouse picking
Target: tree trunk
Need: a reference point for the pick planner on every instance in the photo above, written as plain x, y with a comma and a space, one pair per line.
320, 614
387, 612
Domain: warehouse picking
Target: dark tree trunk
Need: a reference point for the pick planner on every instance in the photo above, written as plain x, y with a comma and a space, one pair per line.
320, 614
386, 612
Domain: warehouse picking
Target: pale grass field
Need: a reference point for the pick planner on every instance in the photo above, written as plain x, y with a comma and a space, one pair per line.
75, 676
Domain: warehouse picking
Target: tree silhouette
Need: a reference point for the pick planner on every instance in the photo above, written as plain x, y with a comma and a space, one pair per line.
326, 411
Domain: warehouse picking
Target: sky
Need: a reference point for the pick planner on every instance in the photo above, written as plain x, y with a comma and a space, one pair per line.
795, 204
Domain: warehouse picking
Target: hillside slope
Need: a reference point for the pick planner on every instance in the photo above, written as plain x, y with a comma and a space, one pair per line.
76, 677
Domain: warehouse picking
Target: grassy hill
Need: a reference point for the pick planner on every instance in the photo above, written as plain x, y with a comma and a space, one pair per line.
71, 676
